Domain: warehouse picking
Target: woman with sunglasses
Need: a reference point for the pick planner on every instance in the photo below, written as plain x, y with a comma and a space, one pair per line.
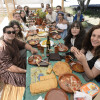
18, 30
75, 35
89, 55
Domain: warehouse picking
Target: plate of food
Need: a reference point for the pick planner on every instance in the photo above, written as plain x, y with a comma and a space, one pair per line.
34, 59
33, 42
69, 82
56, 94
76, 66
43, 43
56, 37
42, 33
62, 47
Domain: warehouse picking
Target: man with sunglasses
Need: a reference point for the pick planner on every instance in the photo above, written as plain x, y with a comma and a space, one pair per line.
12, 66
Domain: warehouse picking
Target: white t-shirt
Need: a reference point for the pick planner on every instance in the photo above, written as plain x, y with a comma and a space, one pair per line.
73, 41
89, 56
62, 26
51, 17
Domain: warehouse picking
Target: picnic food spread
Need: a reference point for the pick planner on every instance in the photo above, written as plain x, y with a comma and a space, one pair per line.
61, 68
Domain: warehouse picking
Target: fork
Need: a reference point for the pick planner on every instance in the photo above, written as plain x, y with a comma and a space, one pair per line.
70, 87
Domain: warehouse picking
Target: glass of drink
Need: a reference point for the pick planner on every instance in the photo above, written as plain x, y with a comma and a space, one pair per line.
42, 50
39, 47
67, 59
56, 49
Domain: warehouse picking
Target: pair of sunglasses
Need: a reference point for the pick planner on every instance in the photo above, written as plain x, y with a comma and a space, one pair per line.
9, 32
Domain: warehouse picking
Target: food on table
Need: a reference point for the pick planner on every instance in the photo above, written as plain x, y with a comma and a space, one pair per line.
76, 66
69, 82
41, 32
82, 98
44, 42
56, 36
61, 68
42, 78
62, 47
48, 83
90, 88
33, 42
49, 70
34, 59
56, 94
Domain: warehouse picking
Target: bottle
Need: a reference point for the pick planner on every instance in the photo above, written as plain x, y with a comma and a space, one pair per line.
48, 46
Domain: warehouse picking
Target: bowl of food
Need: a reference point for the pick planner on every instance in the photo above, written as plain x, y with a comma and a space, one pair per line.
76, 66
34, 59
56, 37
69, 82
56, 94
33, 42
62, 47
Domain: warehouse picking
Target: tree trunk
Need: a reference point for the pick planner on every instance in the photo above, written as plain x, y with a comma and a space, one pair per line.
87, 4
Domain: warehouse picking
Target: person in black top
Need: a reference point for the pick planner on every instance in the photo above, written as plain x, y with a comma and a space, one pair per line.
89, 55
75, 35
26, 9
23, 16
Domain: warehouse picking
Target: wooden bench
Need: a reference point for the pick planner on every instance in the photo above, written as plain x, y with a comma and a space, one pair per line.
12, 92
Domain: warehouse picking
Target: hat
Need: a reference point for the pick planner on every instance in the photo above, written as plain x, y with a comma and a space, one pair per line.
60, 12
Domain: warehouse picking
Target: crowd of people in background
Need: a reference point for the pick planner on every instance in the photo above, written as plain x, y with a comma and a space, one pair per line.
84, 46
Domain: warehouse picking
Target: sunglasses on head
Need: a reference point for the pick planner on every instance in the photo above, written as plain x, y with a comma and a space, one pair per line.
9, 32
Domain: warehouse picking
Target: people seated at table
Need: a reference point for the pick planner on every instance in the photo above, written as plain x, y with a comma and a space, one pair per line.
79, 17
51, 16
76, 34
19, 7
69, 18
61, 27
59, 9
19, 35
23, 16
26, 9
42, 7
47, 6
12, 66
89, 55
17, 17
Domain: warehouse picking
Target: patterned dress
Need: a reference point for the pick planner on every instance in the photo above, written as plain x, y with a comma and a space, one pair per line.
10, 55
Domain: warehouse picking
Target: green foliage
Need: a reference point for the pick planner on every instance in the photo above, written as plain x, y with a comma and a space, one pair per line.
92, 12
41, 14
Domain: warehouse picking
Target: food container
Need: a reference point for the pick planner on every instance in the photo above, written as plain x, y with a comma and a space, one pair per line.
90, 88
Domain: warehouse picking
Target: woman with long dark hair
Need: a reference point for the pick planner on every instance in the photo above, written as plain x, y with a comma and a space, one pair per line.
26, 9
17, 29
23, 16
89, 56
75, 35
62, 25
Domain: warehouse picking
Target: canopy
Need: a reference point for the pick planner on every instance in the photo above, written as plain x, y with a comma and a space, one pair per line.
20, 2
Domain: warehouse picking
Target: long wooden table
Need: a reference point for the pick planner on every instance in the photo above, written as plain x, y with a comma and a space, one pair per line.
27, 94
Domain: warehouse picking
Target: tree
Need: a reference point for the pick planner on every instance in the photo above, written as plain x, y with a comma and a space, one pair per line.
83, 4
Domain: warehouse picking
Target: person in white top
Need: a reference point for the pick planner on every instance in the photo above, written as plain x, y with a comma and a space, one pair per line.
61, 26
89, 56
42, 7
51, 16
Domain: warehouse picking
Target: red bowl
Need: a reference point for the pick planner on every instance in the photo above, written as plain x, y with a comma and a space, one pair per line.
56, 94
69, 82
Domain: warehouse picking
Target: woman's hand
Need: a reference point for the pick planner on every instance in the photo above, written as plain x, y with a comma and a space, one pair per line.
78, 54
74, 49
